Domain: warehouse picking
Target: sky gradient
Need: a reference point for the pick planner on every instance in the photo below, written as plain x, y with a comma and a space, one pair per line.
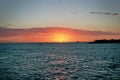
96, 17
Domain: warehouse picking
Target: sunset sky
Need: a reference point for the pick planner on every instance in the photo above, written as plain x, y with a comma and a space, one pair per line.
59, 20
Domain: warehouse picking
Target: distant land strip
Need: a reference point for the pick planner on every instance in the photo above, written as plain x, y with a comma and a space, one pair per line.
106, 41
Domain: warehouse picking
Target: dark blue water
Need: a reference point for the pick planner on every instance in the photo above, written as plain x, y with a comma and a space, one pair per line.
66, 61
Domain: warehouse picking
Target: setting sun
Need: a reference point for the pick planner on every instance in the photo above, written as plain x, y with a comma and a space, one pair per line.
60, 37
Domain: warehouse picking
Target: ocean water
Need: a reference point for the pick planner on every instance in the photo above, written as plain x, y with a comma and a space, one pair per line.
59, 61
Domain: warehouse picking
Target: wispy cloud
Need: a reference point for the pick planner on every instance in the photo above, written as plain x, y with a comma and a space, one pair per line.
106, 13
3, 27
76, 12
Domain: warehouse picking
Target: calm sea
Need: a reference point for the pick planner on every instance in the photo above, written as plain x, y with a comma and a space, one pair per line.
59, 61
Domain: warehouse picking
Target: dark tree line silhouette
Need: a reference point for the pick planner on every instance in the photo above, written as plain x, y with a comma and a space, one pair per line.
107, 41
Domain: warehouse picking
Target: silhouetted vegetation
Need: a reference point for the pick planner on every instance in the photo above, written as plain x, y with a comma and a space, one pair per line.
107, 41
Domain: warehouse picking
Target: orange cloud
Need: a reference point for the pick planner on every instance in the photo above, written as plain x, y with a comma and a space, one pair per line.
52, 34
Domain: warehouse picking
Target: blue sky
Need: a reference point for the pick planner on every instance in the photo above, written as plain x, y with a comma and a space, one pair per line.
61, 13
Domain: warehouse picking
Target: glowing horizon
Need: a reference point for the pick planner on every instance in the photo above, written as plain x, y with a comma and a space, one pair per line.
53, 34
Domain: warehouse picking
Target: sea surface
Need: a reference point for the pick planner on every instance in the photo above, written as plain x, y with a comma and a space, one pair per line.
59, 61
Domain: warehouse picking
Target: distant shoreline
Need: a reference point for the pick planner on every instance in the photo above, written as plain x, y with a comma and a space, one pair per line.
106, 41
